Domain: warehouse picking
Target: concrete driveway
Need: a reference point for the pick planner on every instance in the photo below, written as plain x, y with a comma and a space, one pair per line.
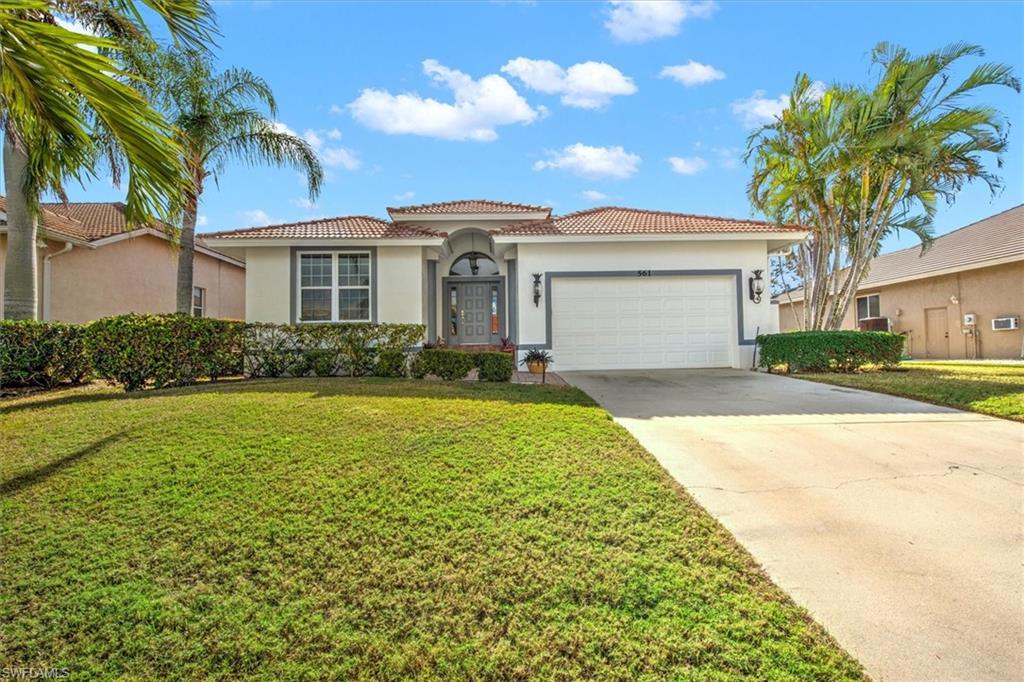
897, 524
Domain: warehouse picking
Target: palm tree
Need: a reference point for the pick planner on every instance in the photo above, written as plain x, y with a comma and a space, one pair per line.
217, 120
58, 88
857, 164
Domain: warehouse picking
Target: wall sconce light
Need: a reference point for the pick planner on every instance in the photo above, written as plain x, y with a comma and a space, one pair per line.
536, 289
756, 285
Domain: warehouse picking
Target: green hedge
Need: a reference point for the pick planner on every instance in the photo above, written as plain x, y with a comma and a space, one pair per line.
274, 350
495, 366
834, 351
453, 365
164, 350
138, 351
41, 353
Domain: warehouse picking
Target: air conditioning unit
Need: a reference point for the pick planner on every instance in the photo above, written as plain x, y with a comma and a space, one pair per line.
1001, 324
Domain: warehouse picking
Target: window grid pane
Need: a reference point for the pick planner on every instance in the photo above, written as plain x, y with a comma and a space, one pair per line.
353, 270
353, 305
316, 270
316, 305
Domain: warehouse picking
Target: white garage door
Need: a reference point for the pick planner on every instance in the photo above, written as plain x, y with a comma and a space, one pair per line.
642, 322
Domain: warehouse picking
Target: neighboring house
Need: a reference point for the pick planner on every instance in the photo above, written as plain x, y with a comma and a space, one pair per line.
92, 265
961, 298
602, 288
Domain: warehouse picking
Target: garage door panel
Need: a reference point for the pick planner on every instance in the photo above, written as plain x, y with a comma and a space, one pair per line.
642, 322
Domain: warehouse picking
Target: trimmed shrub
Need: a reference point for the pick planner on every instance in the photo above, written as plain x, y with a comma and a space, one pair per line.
495, 366
829, 351
163, 350
390, 363
273, 350
450, 365
43, 354
453, 365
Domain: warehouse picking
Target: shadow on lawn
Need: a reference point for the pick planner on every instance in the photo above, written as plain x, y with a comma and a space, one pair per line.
327, 387
39, 475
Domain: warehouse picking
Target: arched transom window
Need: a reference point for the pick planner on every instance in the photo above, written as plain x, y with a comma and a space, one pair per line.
474, 264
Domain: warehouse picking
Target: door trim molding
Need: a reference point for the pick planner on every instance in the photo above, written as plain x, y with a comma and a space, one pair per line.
715, 272
462, 279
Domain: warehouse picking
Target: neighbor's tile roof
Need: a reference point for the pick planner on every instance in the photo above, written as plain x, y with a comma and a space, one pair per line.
469, 206
991, 239
615, 220
99, 219
341, 227
55, 225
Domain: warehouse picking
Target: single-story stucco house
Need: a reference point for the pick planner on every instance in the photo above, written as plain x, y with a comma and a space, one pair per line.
962, 298
600, 288
93, 264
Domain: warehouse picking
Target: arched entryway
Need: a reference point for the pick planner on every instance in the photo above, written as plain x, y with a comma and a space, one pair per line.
474, 301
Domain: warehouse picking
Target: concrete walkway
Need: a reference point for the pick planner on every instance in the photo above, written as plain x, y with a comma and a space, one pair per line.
897, 524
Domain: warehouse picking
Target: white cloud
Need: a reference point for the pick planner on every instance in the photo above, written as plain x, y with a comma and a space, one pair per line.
592, 162
479, 107
281, 127
335, 109
332, 157
692, 73
303, 203
589, 85
256, 217
404, 196
757, 109
637, 21
202, 221
593, 195
687, 165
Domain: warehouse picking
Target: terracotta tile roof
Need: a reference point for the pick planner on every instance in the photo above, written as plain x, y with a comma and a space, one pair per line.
99, 218
615, 220
469, 206
995, 238
341, 227
55, 225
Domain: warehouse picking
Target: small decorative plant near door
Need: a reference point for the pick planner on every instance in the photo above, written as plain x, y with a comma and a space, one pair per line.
537, 361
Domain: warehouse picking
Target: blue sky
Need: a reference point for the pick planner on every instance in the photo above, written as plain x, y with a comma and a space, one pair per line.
376, 83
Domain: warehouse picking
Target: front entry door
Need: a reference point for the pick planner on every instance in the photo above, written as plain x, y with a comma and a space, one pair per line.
473, 313
936, 333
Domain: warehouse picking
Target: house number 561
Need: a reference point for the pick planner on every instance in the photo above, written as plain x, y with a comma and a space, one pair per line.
643, 273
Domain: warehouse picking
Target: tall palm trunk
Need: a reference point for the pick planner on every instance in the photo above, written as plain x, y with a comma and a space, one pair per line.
186, 253
20, 295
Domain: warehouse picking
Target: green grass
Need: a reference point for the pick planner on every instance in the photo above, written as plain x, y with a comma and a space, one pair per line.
373, 529
996, 390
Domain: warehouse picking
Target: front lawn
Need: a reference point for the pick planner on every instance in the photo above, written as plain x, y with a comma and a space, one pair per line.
374, 529
997, 390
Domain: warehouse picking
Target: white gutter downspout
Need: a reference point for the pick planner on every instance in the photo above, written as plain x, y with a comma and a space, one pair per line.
47, 278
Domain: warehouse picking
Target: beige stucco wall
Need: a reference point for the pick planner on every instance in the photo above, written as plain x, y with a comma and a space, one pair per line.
269, 286
132, 275
996, 291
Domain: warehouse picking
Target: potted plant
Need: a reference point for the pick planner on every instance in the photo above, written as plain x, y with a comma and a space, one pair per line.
508, 347
537, 361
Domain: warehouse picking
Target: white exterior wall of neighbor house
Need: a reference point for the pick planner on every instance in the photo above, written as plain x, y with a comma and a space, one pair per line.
744, 255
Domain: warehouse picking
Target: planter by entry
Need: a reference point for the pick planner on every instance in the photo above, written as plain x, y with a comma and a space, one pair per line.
535, 367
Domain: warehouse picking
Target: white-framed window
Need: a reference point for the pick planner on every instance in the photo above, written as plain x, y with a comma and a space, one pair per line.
198, 301
868, 306
334, 286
